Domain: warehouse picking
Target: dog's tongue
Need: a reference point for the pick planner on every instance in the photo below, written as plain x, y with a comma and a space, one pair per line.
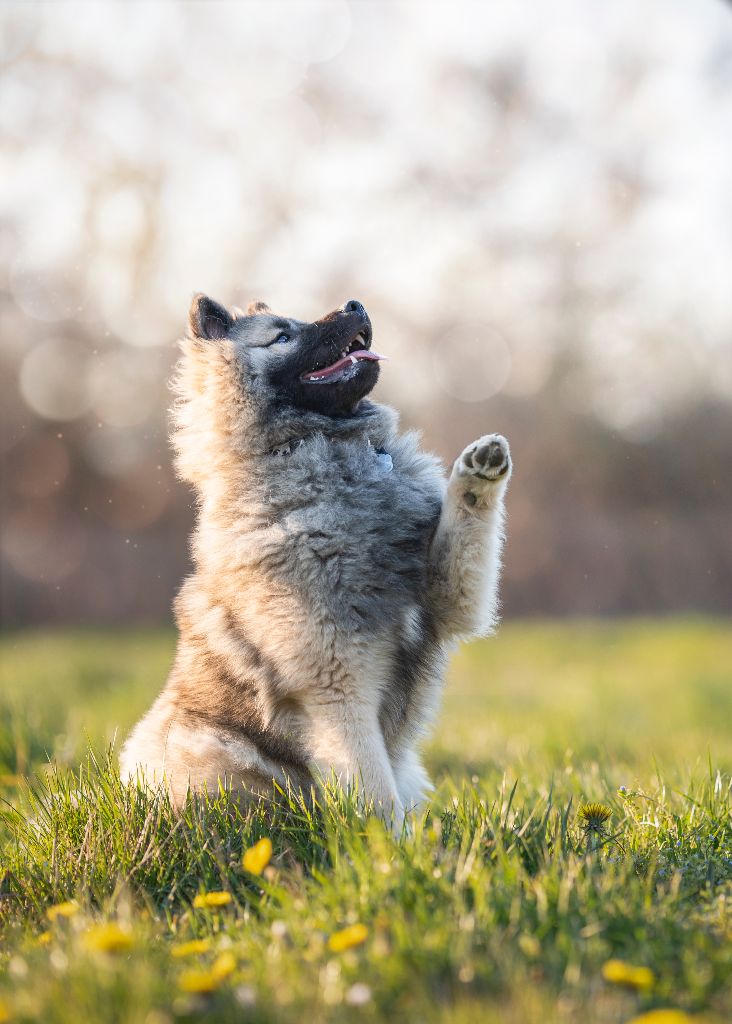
352, 357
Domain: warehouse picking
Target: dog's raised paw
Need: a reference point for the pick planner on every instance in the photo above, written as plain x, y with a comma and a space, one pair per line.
488, 458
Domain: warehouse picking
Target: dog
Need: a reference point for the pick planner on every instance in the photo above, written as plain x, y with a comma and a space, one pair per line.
335, 565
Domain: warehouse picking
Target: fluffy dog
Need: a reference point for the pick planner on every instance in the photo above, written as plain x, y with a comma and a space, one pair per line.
334, 564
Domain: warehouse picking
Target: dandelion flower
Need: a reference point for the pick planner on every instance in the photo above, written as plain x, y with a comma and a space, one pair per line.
256, 859
593, 817
44, 938
4, 1012
617, 972
663, 1016
67, 909
108, 938
224, 965
529, 946
201, 982
191, 948
212, 899
348, 937
198, 982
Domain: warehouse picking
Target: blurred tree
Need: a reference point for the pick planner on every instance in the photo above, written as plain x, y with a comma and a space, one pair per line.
534, 215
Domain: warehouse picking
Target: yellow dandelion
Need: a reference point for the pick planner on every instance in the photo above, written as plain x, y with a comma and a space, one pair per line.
529, 946
191, 948
348, 937
224, 965
201, 982
663, 1016
108, 938
44, 938
593, 817
4, 1012
67, 909
617, 972
198, 982
212, 899
256, 859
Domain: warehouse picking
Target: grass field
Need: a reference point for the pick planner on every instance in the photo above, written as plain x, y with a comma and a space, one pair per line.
500, 905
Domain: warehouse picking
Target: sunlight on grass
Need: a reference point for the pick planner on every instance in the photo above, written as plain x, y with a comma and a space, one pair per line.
575, 865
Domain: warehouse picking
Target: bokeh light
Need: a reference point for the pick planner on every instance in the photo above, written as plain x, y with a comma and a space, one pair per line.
52, 379
534, 211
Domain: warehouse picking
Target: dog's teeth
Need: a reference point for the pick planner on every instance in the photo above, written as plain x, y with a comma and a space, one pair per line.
353, 360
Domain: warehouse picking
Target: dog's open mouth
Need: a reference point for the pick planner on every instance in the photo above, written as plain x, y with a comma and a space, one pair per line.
347, 366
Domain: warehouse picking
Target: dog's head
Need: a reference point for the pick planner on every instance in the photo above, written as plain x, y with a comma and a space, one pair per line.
326, 366
248, 382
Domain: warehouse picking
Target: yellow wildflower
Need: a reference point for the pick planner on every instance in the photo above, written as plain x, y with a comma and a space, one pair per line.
663, 1016
212, 899
348, 937
191, 948
44, 938
256, 859
108, 938
67, 909
529, 946
4, 1012
593, 817
224, 965
200, 982
619, 973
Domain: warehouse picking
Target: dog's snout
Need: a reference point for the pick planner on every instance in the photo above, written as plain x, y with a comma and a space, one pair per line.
354, 306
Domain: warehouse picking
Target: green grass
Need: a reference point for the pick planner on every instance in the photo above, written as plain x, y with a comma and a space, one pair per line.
497, 906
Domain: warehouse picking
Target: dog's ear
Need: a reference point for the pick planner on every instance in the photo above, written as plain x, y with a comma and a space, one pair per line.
208, 319
257, 308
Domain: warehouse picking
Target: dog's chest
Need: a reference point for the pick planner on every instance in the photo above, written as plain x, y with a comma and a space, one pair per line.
357, 533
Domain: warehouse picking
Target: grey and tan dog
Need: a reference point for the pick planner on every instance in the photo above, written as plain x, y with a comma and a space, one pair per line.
334, 564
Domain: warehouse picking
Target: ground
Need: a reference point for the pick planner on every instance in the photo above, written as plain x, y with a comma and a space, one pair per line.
502, 904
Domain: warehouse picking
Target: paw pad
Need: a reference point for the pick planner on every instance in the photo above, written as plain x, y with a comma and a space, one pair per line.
492, 455
489, 458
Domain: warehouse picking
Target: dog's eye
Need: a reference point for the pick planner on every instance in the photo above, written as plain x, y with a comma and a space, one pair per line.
281, 338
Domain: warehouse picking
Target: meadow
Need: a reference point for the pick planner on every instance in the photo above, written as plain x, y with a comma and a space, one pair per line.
510, 900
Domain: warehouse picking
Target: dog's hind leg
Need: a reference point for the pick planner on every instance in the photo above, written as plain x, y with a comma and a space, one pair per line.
465, 555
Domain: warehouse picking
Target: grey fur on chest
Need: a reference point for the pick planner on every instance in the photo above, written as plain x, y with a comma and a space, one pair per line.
355, 532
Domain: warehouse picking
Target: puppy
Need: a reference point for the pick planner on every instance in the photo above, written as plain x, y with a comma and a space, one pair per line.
334, 565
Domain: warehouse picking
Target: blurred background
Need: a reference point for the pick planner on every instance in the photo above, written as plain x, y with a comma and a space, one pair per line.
534, 202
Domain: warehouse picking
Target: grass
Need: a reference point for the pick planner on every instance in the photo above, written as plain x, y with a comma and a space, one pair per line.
500, 905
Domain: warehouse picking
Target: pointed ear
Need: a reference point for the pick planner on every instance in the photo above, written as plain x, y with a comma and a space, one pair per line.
257, 307
208, 319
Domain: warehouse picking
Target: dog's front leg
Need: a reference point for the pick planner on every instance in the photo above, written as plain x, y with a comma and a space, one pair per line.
465, 555
349, 744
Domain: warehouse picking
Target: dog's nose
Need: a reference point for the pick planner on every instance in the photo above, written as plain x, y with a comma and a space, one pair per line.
353, 306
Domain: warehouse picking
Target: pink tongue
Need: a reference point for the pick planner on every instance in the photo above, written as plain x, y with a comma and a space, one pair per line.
327, 371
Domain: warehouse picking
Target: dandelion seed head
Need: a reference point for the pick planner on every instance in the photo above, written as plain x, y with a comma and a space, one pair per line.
358, 994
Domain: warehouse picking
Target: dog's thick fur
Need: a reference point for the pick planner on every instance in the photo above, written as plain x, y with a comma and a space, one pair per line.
327, 585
